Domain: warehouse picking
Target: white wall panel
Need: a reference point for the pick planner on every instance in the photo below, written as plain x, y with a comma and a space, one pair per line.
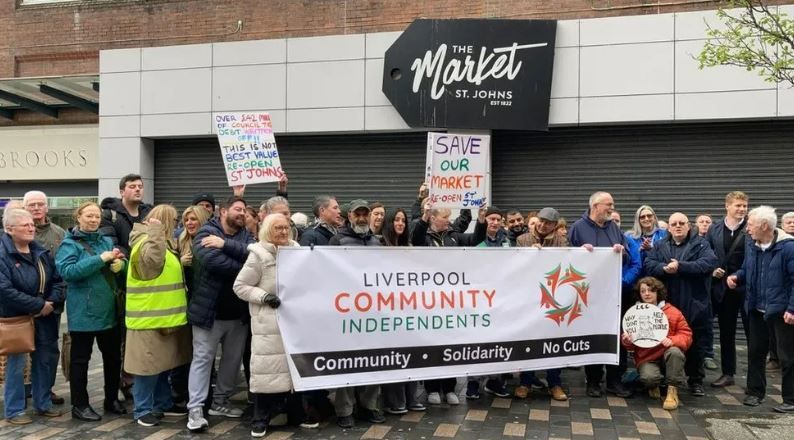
325, 84
626, 109
121, 94
176, 91
688, 78
726, 105
328, 48
241, 53
627, 29
176, 57
629, 69
249, 87
119, 60
325, 120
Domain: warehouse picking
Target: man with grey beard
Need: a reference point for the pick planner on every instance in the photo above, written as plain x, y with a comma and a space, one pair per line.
356, 233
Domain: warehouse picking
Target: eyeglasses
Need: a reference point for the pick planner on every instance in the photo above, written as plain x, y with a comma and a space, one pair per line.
24, 225
647, 216
36, 205
674, 224
281, 228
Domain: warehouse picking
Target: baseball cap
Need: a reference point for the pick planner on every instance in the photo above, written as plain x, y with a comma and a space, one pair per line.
357, 204
203, 197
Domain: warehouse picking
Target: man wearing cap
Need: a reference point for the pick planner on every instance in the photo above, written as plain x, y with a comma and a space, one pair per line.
495, 234
206, 201
596, 229
357, 233
540, 236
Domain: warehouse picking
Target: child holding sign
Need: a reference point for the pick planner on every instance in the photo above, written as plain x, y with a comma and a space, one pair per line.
669, 354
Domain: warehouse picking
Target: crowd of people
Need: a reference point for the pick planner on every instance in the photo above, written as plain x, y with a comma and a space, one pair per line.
160, 292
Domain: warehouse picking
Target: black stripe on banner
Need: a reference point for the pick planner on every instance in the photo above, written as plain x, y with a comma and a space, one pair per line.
397, 358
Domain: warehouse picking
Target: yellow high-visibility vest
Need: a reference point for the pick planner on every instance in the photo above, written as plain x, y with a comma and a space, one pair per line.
157, 303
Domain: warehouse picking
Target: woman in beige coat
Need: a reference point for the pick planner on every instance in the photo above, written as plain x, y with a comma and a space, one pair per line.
256, 284
150, 354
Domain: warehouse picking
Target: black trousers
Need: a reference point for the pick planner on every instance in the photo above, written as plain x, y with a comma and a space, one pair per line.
694, 356
731, 306
267, 405
109, 342
442, 386
758, 346
595, 373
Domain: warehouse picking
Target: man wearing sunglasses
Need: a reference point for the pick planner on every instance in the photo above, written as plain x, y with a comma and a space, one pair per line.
684, 262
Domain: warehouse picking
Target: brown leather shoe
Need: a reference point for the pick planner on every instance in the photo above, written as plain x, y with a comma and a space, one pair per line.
723, 381
557, 393
521, 392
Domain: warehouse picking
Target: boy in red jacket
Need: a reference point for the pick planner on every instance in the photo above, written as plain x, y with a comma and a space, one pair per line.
669, 353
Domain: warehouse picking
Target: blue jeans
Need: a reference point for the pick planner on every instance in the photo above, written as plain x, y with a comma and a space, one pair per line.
43, 366
151, 394
552, 377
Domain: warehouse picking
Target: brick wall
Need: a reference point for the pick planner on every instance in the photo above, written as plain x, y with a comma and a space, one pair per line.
65, 38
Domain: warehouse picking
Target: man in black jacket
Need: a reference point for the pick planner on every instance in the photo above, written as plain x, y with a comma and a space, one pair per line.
357, 233
326, 212
727, 239
119, 214
684, 261
217, 315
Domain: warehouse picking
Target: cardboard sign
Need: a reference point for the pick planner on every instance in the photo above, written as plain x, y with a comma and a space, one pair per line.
248, 148
392, 314
646, 324
457, 169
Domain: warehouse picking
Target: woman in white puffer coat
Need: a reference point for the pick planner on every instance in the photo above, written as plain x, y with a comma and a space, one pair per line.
256, 284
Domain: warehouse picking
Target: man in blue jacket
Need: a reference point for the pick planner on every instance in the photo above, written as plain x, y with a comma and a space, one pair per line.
768, 275
217, 315
596, 229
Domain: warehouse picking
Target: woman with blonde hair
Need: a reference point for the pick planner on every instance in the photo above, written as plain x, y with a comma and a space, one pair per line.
88, 262
646, 230
256, 284
158, 337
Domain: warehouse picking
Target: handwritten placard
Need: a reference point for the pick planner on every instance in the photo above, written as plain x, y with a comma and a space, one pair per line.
457, 169
248, 148
646, 324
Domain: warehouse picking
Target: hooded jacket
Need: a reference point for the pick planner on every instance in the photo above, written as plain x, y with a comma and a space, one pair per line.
422, 235
214, 273
119, 225
689, 288
348, 237
91, 303
269, 369
768, 276
20, 280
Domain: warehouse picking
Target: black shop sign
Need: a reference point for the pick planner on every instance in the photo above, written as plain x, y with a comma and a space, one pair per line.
479, 73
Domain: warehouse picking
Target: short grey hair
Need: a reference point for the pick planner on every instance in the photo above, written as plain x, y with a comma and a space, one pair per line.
765, 214
272, 203
321, 202
33, 194
596, 196
786, 216
11, 217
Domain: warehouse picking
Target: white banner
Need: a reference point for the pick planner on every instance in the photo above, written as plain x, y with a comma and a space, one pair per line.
456, 171
357, 316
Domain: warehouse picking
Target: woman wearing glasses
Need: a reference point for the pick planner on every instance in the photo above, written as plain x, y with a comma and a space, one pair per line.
645, 231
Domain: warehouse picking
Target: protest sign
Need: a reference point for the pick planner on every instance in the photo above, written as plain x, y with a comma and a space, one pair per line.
356, 316
646, 324
457, 169
248, 148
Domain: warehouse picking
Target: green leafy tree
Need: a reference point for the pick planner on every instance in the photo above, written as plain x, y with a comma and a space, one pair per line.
756, 37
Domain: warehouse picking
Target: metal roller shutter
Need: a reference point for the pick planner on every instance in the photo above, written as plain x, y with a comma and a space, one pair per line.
386, 168
686, 167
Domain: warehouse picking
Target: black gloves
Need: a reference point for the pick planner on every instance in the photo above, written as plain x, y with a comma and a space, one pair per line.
271, 300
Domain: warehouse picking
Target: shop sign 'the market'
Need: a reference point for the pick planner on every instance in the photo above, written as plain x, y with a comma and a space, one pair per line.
479, 73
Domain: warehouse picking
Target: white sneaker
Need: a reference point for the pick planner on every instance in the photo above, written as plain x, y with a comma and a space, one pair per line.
196, 421
434, 399
453, 399
226, 411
